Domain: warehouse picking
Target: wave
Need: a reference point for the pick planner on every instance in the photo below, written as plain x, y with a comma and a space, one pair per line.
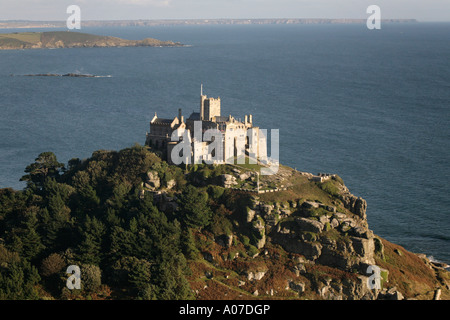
438, 262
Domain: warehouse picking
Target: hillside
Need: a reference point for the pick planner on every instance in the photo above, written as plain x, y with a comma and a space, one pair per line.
142, 229
66, 39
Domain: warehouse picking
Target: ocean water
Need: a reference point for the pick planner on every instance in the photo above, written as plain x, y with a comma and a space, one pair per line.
371, 106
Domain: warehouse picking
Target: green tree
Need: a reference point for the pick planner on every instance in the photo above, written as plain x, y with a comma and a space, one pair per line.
18, 281
195, 208
188, 244
139, 278
169, 277
135, 275
91, 277
45, 165
31, 240
91, 247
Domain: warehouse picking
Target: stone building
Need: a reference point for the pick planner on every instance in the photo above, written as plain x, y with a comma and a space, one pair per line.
236, 138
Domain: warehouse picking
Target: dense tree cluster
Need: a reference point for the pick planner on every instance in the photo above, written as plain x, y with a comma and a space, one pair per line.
91, 213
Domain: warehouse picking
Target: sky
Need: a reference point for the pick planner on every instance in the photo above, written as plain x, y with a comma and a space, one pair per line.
55, 10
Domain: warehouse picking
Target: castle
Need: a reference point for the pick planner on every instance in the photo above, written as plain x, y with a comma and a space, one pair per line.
207, 136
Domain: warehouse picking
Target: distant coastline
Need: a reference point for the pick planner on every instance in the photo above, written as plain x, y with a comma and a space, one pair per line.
65, 39
167, 22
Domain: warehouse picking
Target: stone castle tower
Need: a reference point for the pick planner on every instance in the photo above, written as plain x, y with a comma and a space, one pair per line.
209, 107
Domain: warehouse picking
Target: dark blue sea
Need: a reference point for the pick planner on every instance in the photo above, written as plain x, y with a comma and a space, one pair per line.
369, 105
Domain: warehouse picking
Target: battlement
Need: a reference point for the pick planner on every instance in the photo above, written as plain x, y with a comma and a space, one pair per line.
209, 108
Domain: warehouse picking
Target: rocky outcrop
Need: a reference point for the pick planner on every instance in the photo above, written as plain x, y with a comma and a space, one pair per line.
391, 294
309, 225
351, 246
354, 204
297, 286
260, 232
228, 180
152, 180
255, 275
309, 238
329, 245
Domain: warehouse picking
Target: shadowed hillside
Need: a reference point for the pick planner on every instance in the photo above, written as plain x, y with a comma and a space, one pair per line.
140, 228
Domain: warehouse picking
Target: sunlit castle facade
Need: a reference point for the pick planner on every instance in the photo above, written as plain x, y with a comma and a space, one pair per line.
207, 136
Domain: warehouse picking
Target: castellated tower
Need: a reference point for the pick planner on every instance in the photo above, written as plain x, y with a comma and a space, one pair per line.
209, 107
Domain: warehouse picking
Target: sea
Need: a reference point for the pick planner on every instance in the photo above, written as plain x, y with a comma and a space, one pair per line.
372, 106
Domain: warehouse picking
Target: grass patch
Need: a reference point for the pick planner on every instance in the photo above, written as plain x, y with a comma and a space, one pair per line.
330, 186
29, 37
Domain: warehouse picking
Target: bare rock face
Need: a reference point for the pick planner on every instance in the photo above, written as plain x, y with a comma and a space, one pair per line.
228, 180
152, 182
391, 294
354, 248
357, 205
250, 214
358, 290
171, 183
256, 274
311, 250
331, 236
259, 229
297, 286
309, 225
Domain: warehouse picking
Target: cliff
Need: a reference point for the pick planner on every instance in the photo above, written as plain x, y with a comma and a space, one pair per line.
157, 231
65, 39
309, 240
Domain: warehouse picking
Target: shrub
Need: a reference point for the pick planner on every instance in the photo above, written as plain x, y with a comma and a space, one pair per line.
315, 212
91, 277
252, 251
245, 240
53, 264
215, 192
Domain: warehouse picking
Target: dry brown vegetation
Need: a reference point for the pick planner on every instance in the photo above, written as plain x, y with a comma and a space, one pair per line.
409, 273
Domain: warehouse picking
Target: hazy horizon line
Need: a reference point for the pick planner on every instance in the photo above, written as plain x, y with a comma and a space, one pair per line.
212, 19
